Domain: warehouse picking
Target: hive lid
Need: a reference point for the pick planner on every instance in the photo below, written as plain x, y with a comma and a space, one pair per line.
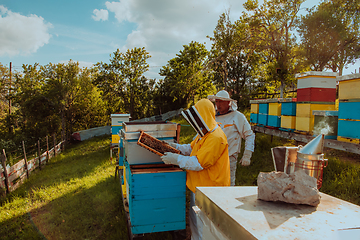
315, 146
348, 77
316, 73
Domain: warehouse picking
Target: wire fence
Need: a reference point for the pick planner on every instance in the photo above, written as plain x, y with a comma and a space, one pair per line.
17, 165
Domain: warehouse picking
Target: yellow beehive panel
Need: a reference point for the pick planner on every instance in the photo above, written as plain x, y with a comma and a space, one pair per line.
350, 140
255, 108
349, 89
288, 122
306, 109
123, 186
275, 109
115, 138
305, 124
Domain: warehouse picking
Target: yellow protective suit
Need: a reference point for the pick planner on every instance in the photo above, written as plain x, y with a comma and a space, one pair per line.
211, 152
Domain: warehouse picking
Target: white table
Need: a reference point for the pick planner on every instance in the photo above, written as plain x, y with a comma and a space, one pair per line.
236, 213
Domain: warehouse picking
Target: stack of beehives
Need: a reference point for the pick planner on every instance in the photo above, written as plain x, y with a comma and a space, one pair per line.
349, 108
315, 91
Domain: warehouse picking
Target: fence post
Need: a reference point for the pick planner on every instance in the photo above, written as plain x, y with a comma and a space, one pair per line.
26, 165
54, 138
63, 137
47, 149
3, 161
39, 154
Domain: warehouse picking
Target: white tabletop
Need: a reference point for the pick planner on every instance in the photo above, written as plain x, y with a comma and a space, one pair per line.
238, 213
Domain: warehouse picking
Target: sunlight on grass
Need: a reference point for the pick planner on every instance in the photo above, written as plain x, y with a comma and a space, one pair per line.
77, 197
10, 209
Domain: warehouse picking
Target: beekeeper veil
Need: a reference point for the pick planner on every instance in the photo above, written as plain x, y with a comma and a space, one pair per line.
201, 117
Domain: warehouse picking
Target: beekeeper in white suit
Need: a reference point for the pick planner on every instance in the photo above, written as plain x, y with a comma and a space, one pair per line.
236, 127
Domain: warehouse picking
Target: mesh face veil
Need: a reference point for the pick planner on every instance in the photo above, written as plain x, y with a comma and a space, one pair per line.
193, 117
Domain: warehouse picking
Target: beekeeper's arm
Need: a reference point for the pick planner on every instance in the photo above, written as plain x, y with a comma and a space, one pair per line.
185, 149
185, 162
248, 135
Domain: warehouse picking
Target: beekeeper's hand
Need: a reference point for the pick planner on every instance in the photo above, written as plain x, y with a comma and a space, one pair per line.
170, 158
245, 160
172, 144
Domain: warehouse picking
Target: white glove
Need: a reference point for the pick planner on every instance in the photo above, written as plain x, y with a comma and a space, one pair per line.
170, 158
245, 160
172, 144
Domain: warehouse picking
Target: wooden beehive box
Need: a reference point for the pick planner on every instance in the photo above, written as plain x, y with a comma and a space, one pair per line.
304, 114
274, 121
116, 125
254, 118
349, 86
316, 86
154, 145
156, 197
288, 123
349, 121
136, 154
274, 107
288, 106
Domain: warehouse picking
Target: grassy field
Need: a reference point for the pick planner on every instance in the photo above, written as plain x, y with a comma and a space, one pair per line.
76, 196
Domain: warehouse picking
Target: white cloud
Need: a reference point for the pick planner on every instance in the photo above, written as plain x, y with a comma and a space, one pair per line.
164, 26
21, 34
101, 14
121, 9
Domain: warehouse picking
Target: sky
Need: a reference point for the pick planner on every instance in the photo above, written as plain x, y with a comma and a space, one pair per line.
43, 31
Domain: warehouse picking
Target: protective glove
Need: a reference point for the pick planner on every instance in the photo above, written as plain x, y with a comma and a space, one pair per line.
245, 160
172, 144
170, 158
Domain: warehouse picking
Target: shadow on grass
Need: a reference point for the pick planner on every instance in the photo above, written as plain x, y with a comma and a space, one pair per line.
93, 213
60, 210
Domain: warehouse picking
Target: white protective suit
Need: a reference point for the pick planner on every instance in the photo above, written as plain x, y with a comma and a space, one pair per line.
236, 127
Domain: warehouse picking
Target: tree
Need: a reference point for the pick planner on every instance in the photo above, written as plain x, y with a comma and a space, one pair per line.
4, 91
123, 84
330, 35
271, 28
32, 106
233, 59
56, 98
186, 79
70, 91
223, 46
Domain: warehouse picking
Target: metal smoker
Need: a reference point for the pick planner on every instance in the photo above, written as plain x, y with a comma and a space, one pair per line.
309, 158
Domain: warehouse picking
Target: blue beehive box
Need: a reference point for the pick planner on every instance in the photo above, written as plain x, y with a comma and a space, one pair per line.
349, 110
349, 129
156, 197
349, 119
263, 119
274, 121
264, 108
288, 108
254, 118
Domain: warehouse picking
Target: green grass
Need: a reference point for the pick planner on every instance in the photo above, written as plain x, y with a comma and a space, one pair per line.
76, 196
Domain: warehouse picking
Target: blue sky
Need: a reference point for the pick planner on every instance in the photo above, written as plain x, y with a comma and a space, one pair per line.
44, 31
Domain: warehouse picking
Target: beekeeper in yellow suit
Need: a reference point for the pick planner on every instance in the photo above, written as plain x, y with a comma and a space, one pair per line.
206, 158
236, 127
